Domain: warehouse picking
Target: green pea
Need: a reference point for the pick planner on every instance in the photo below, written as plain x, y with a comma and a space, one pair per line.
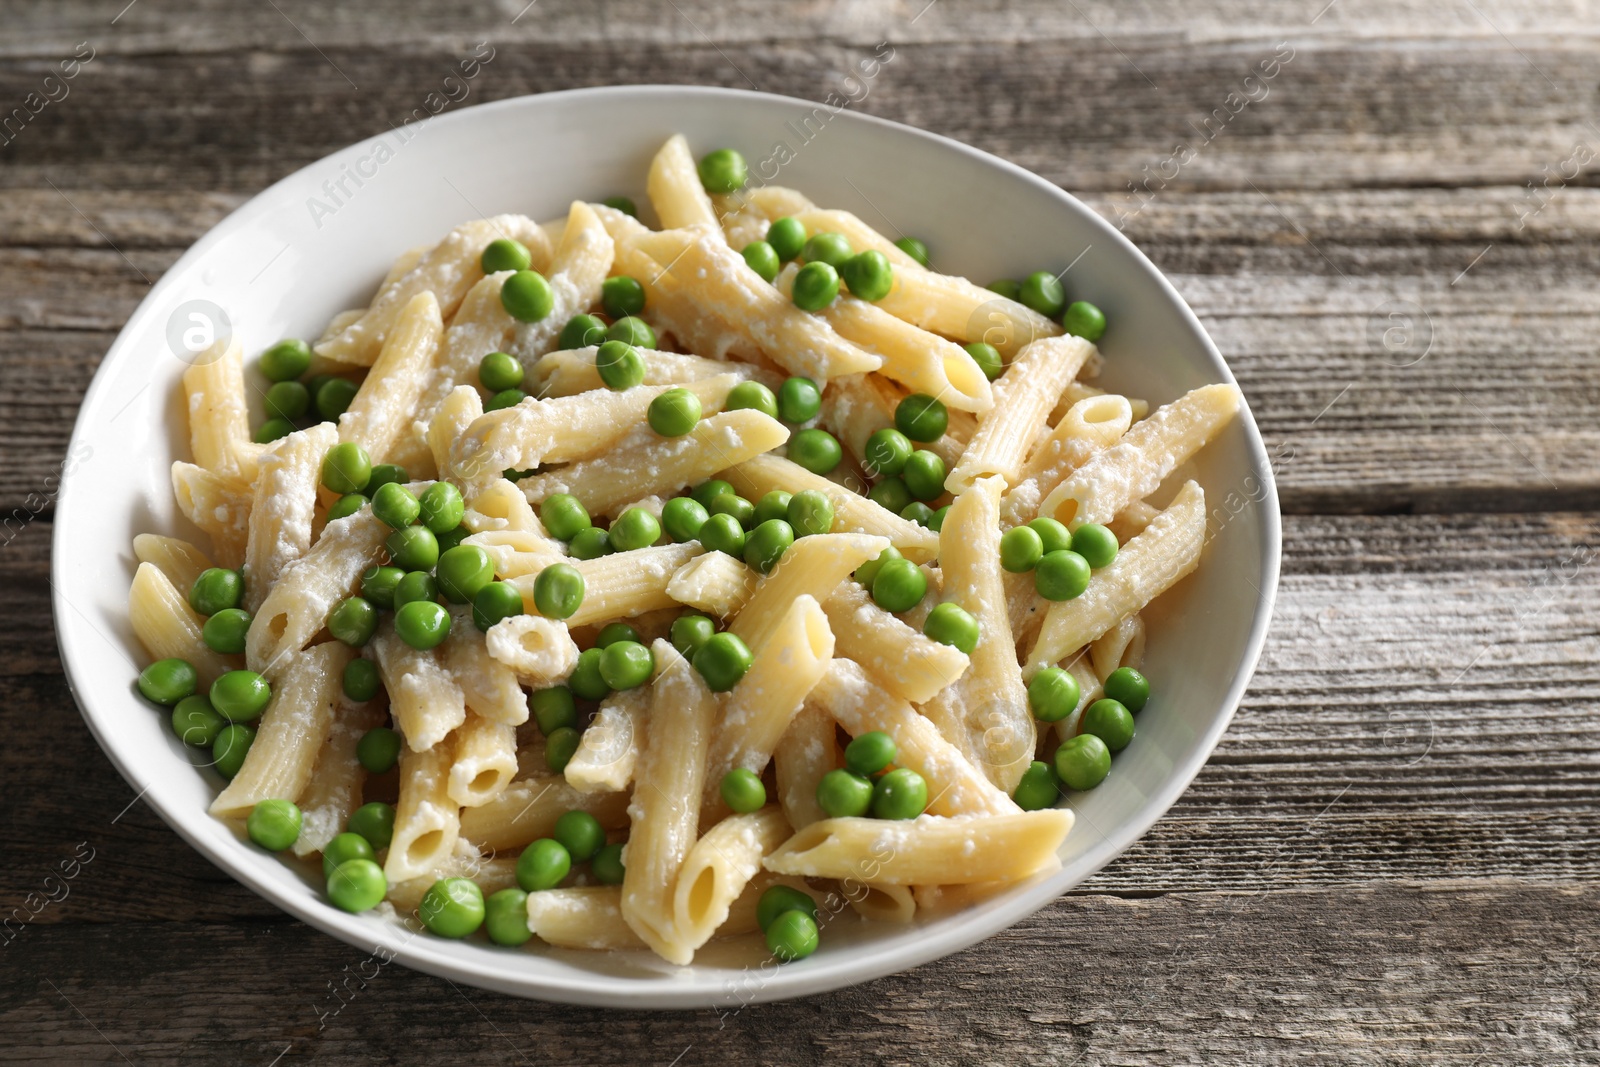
375, 822
558, 591
1021, 548
1061, 575
286, 360
1109, 721
752, 395
1042, 292
674, 413
936, 524
899, 585
346, 468
607, 866
1095, 543
682, 516
504, 254
288, 400
787, 236
917, 512
921, 417
870, 753
231, 747
1082, 762
844, 794
495, 601
240, 696
815, 286
767, 543
581, 331
585, 680
422, 624
462, 573
620, 365
553, 709
924, 474
333, 398
913, 248
591, 543
441, 507
505, 918
689, 632
415, 548
623, 204
621, 296
414, 586
781, 898
799, 400
580, 834
560, 747
743, 791
1129, 688
988, 359
452, 907
632, 331
1084, 320
361, 680
1038, 787
379, 748
760, 257
563, 516
1053, 537
868, 274
527, 297
774, 505
887, 452
499, 371
396, 505
543, 865
810, 512
723, 171
1053, 694
196, 722
816, 450
346, 505
1005, 287
830, 248
869, 570
272, 430
215, 589
708, 491
386, 474
344, 848
626, 665
722, 661
722, 533
634, 528
506, 398
357, 885
950, 624
225, 631
900, 794
613, 632
451, 538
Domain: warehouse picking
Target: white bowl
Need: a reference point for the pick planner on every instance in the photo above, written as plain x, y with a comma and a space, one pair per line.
285, 262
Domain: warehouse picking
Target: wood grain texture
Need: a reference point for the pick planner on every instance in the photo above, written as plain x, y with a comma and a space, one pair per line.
1442, 974
1390, 858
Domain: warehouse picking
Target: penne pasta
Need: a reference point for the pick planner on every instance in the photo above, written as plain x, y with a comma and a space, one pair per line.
169, 628
1141, 461
379, 418
572, 372
337, 777
427, 822
715, 583
1146, 567
805, 753
926, 850
577, 268
813, 567
898, 657
528, 808
484, 760
217, 504
675, 190
608, 751
717, 869
1089, 426
180, 561
284, 508
426, 702
219, 413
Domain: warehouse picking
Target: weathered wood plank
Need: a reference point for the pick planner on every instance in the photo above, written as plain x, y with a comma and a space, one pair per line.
1493, 362
1343, 112
1424, 707
1453, 974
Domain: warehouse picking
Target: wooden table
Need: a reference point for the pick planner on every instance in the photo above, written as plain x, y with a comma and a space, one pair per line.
1392, 855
